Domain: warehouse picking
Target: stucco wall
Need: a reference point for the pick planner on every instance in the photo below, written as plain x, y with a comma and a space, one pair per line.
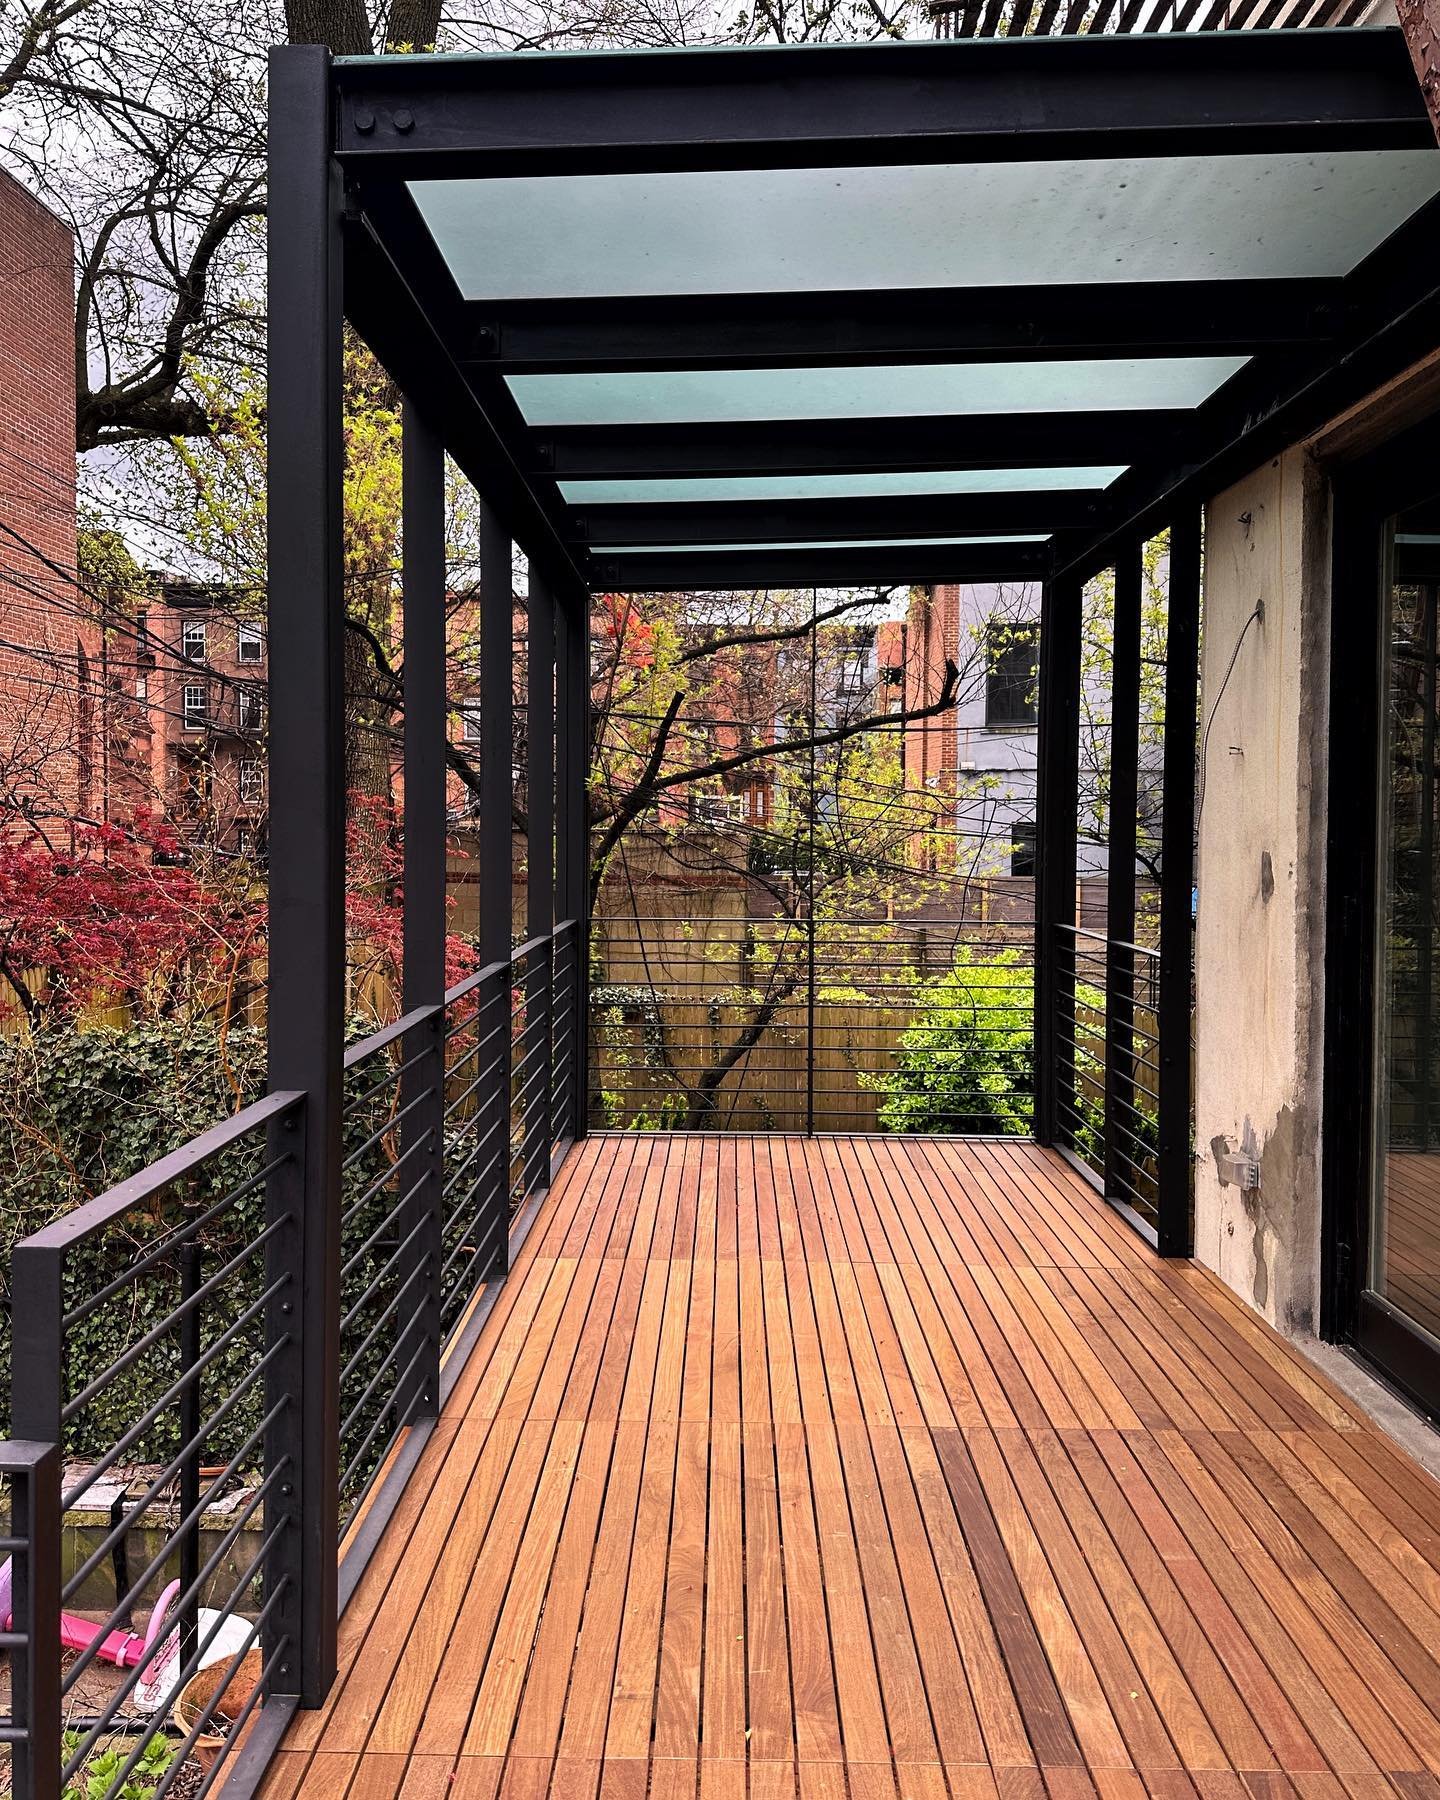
1259, 931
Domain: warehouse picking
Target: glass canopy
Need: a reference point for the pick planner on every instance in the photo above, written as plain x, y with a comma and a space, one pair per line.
898, 391
815, 544
677, 490
1187, 218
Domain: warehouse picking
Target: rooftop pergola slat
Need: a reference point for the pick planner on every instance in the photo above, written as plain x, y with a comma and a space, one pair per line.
1097, 266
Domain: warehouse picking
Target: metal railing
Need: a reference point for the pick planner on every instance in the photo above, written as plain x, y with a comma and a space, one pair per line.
187, 1443
1107, 1051
863, 1025
184, 1429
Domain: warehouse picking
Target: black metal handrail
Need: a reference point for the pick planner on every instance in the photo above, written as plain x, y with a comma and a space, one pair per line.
188, 1389
452, 1118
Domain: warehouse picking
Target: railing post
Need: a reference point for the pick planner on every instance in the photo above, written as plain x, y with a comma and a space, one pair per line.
497, 806
572, 875
1174, 1167
422, 1087
1057, 756
306, 857
37, 1397
540, 880
1121, 1116
33, 1547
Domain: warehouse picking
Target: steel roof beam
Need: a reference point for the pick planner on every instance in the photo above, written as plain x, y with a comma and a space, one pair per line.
860, 446
899, 516
855, 567
812, 106
806, 330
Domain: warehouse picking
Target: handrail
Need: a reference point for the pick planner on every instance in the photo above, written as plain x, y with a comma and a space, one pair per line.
90, 1216
366, 1047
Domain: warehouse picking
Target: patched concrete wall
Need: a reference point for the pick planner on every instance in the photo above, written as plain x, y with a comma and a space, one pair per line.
1260, 925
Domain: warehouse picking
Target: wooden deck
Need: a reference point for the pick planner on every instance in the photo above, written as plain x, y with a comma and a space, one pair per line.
875, 1469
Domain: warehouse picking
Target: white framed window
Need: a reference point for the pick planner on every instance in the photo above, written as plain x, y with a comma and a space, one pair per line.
142, 688
249, 643
469, 711
252, 783
192, 640
250, 709
195, 706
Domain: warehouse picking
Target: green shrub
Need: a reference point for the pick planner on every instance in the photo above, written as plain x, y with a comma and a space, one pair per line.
967, 1063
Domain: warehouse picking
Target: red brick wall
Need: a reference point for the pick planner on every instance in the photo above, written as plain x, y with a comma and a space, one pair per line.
53, 753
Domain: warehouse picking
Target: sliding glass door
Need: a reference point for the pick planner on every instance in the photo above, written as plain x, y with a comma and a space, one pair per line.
1383, 1150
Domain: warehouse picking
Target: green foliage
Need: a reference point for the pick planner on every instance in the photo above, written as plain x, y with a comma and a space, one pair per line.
96, 1777
967, 1064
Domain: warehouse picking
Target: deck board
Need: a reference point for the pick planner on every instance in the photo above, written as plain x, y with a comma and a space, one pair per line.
882, 1469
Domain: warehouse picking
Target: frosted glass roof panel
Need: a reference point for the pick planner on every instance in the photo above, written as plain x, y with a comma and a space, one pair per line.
947, 225
834, 487
808, 544
712, 395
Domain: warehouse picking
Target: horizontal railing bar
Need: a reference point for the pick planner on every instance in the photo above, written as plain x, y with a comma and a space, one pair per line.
171, 1470
449, 1184
353, 1156
235, 1734
382, 1369
131, 1437
390, 1307
174, 1317
369, 1438
184, 1233
366, 1047
84, 1221
353, 1261
383, 1180
476, 978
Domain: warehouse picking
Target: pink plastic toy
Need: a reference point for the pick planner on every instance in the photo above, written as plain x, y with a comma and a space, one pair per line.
123, 1648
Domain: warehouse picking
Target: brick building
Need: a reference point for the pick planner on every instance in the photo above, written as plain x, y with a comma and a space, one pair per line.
54, 747
201, 679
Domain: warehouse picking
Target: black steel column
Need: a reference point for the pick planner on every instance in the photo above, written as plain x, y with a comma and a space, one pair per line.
497, 805
1057, 777
540, 762
306, 851
572, 834
1175, 1165
1121, 1118
422, 1094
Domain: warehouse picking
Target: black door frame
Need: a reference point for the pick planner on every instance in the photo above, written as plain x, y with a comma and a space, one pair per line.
1367, 493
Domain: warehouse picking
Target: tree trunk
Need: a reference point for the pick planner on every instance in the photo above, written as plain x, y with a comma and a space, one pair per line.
413, 23
342, 25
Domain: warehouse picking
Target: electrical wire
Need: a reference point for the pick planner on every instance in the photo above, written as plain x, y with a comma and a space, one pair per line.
1256, 617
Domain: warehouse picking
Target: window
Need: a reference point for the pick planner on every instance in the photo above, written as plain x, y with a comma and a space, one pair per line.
1022, 847
1010, 673
714, 809
470, 721
252, 783
249, 643
192, 640
142, 688
250, 709
195, 706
